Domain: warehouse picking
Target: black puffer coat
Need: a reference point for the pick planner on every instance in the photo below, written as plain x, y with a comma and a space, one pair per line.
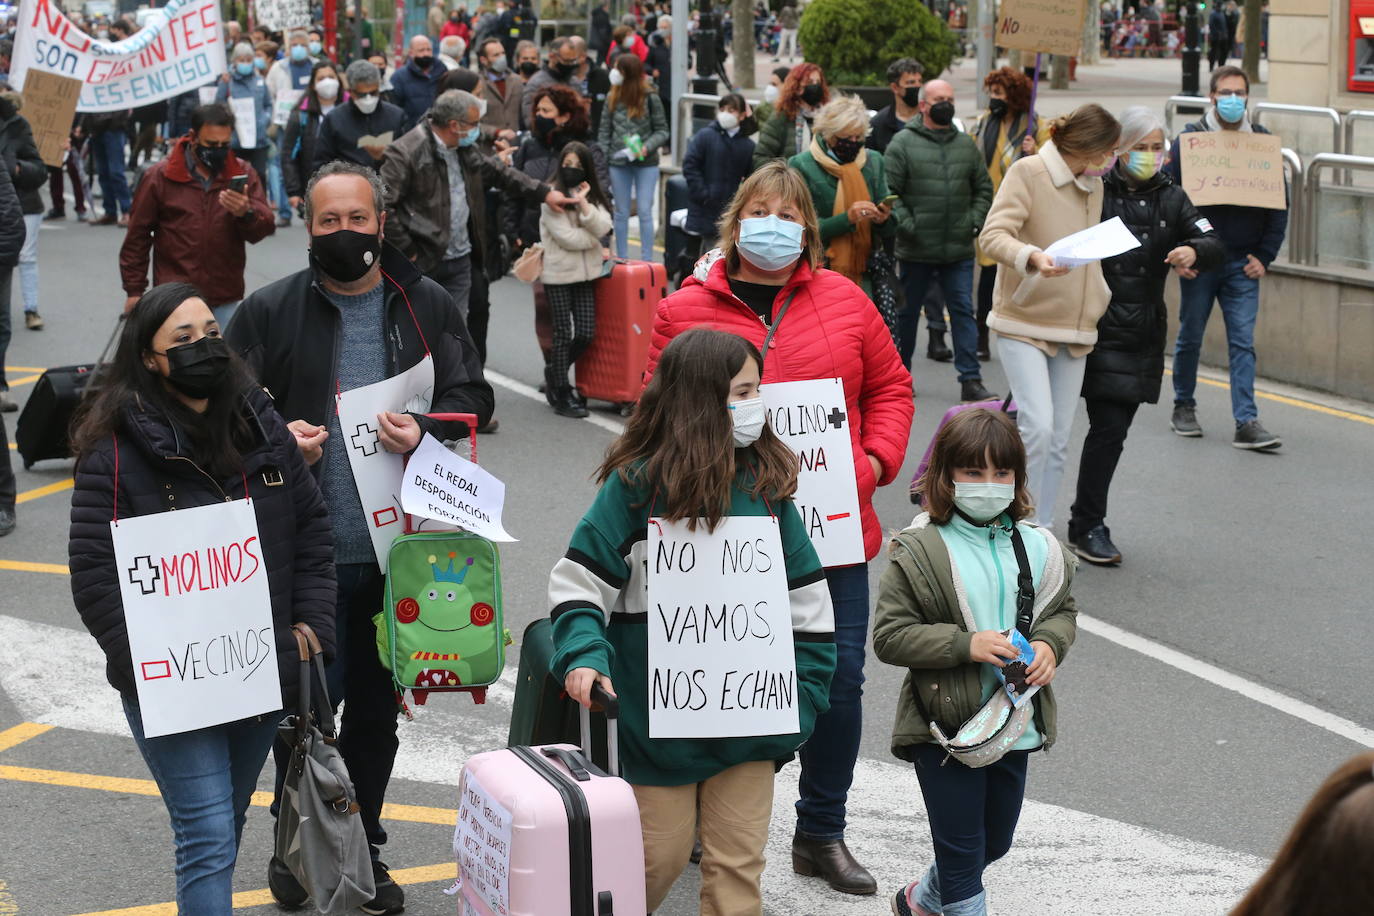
1127, 365
520, 219
293, 527
27, 170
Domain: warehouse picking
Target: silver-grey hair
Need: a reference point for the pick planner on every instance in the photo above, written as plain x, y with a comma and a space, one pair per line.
452, 105
843, 114
1137, 123
242, 49
363, 72
343, 167
298, 33
453, 46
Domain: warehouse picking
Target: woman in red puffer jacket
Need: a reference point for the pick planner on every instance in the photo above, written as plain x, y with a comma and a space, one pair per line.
765, 284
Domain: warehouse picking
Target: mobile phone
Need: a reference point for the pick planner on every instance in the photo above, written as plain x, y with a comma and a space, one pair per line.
890, 199
238, 184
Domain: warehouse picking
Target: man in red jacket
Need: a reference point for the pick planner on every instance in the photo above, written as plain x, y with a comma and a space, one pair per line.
187, 214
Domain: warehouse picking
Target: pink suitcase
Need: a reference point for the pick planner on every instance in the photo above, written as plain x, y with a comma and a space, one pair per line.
542, 831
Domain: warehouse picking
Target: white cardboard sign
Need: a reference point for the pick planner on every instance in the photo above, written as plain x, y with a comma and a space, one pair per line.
377, 473
245, 123
482, 842
447, 488
721, 663
199, 616
812, 418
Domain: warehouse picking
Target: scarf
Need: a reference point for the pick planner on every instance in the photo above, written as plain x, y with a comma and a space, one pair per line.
848, 252
1010, 148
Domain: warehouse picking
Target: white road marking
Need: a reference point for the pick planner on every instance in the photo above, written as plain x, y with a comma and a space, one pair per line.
518, 387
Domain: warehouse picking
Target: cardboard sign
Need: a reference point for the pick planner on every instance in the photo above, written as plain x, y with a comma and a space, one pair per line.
198, 613
282, 15
179, 48
1048, 26
287, 101
49, 104
721, 663
812, 418
245, 123
1232, 167
482, 842
377, 473
447, 488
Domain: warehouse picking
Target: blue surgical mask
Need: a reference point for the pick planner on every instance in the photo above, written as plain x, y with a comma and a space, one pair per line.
470, 137
298, 53
1231, 108
244, 68
769, 242
315, 48
983, 501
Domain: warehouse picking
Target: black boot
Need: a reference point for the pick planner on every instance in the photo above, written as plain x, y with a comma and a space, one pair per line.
831, 860
973, 390
565, 405
937, 350
984, 353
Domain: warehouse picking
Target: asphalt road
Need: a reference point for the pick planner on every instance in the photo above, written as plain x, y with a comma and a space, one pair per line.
1210, 691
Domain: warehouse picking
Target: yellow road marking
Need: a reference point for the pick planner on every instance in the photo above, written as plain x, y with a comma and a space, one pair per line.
40, 492
56, 569
8, 905
1292, 402
26, 380
416, 814
21, 733
39, 369
13, 446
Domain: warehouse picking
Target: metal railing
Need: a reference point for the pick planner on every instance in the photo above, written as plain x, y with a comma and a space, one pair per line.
1328, 114
1176, 102
1311, 194
684, 134
1297, 209
1351, 118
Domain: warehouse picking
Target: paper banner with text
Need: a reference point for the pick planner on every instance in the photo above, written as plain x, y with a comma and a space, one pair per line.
281, 15
1232, 167
721, 663
198, 614
179, 48
482, 843
245, 123
377, 473
447, 488
811, 418
1048, 26
49, 104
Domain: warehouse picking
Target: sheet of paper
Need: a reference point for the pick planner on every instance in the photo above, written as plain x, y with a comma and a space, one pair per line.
368, 140
1105, 240
245, 123
482, 843
442, 486
286, 102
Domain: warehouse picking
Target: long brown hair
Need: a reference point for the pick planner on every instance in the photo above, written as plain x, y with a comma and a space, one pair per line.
631, 93
789, 97
679, 443
1323, 867
1086, 132
772, 179
974, 439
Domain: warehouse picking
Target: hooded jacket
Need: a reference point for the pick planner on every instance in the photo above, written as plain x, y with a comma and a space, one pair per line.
831, 330
714, 166
943, 192
249, 87
11, 224
26, 168
413, 90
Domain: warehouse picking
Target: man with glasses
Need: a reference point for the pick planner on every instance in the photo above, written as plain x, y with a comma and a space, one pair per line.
361, 130
1252, 236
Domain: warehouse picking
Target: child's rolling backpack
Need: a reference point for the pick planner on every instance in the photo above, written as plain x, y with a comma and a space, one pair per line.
1007, 406
441, 626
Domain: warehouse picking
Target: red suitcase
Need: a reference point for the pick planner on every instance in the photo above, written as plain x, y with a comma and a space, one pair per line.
612, 367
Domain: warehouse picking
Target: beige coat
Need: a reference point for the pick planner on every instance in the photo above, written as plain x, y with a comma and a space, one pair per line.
572, 243
503, 112
1039, 202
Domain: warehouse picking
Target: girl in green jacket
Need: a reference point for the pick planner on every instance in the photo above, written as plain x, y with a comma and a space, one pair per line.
946, 607
697, 451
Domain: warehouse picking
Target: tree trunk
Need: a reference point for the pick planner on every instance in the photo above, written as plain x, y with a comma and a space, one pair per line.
1251, 37
742, 43
1059, 71
1092, 35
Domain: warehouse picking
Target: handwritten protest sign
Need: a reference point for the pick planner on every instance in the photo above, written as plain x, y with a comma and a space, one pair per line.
245, 122
280, 15
1232, 167
49, 104
721, 663
1049, 26
179, 48
377, 473
447, 488
482, 842
811, 417
199, 616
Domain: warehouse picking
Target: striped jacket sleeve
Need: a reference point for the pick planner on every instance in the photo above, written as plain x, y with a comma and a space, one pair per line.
813, 614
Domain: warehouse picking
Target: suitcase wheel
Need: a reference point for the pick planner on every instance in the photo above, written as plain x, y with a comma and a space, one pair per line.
626, 408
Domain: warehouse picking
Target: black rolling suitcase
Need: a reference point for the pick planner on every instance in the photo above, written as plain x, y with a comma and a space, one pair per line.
675, 197
543, 712
44, 425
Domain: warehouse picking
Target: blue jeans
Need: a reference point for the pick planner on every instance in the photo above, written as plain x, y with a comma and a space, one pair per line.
828, 757
276, 186
973, 815
956, 281
28, 261
206, 778
642, 182
109, 165
1239, 298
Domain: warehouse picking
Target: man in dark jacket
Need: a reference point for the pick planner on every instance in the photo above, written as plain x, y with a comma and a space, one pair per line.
1253, 236
600, 36
360, 130
944, 192
904, 78
559, 71
189, 219
19, 153
415, 85
362, 312
108, 132
11, 240
1218, 38
516, 23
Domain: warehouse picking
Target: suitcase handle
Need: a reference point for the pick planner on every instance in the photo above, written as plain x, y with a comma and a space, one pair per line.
576, 763
611, 707
470, 419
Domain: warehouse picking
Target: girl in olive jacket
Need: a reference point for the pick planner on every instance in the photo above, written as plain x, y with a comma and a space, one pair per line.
944, 605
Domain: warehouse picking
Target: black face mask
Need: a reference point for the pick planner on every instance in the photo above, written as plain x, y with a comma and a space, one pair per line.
198, 369
748, 127
529, 68
844, 150
563, 71
572, 176
212, 157
345, 255
423, 62
544, 127
911, 96
997, 108
811, 93
942, 113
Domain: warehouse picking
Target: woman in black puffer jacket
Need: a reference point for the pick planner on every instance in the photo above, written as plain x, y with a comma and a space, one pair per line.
1126, 368
178, 421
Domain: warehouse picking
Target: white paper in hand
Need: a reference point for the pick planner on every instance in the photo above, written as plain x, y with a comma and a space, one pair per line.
1105, 240
450, 489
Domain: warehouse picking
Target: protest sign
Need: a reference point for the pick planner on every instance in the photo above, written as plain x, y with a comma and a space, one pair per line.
245, 123
377, 473
811, 418
1232, 167
482, 842
198, 615
281, 15
49, 104
179, 48
1049, 26
721, 663
287, 101
447, 488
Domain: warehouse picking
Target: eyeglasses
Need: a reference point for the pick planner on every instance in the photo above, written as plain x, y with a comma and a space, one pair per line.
1228, 93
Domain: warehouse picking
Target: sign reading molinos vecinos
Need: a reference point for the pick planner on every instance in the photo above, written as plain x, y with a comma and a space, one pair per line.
180, 48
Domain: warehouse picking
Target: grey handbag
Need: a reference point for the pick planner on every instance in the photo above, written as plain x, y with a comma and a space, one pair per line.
319, 831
